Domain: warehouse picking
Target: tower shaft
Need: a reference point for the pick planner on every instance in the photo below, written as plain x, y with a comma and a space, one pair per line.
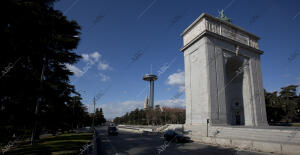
151, 94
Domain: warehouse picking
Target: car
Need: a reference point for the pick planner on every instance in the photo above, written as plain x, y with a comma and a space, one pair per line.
172, 136
112, 130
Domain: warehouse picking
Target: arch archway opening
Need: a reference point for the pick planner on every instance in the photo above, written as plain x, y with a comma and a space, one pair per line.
234, 71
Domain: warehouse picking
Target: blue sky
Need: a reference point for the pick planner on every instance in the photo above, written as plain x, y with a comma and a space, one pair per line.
120, 39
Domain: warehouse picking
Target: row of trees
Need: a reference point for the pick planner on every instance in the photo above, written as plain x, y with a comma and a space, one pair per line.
156, 116
35, 93
282, 107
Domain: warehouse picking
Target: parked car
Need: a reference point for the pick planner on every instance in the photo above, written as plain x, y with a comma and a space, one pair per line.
112, 130
172, 136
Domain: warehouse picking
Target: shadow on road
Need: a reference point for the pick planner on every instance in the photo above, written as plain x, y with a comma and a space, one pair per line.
153, 144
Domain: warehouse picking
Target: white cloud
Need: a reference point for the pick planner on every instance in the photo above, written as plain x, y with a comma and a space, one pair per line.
181, 88
77, 72
103, 77
179, 103
176, 79
96, 55
95, 58
91, 58
85, 57
103, 66
112, 110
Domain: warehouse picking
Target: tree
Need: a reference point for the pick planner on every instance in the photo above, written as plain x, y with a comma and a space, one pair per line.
37, 43
99, 117
77, 112
273, 107
288, 97
102, 119
284, 107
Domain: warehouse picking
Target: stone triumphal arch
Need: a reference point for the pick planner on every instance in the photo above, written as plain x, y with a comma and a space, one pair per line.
224, 93
223, 77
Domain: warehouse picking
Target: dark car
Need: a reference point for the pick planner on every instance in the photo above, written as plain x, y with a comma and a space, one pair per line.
112, 130
172, 136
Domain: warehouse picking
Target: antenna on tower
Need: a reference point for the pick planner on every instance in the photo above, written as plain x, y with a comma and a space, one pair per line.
151, 69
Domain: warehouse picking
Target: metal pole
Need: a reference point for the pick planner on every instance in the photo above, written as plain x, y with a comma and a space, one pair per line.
207, 121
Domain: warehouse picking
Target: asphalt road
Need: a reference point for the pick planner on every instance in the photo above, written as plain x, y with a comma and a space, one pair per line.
127, 143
